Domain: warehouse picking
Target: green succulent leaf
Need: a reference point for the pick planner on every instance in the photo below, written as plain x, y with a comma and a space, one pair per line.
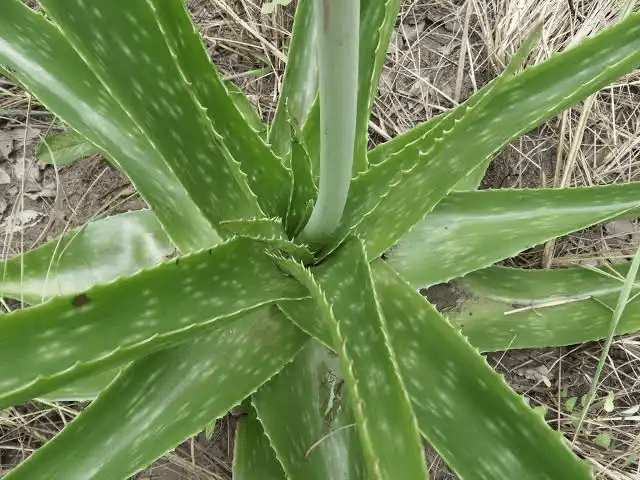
338, 81
44, 62
84, 389
300, 85
306, 315
303, 190
269, 228
429, 131
500, 308
377, 20
311, 137
247, 109
68, 337
64, 148
86, 256
160, 400
253, 457
346, 301
318, 441
514, 106
481, 428
265, 173
270, 232
135, 60
472, 230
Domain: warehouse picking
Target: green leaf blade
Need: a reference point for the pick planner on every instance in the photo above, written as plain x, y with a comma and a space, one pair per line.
319, 440
514, 106
64, 148
174, 122
160, 400
481, 428
385, 420
300, 84
265, 174
253, 457
303, 189
45, 63
84, 389
87, 256
502, 308
377, 20
472, 230
68, 337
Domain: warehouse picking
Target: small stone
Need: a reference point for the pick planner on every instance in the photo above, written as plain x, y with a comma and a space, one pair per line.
21, 134
621, 227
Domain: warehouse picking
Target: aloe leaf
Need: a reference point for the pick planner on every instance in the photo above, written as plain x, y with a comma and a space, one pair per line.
300, 84
400, 154
346, 300
319, 439
515, 106
64, 148
310, 136
424, 132
84, 389
247, 109
338, 54
472, 230
44, 62
68, 337
500, 308
270, 228
270, 232
481, 428
307, 317
86, 256
134, 61
303, 189
377, 20
265, 173
253, 457
160, 400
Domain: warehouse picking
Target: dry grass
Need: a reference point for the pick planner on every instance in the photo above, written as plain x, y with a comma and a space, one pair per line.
441, 52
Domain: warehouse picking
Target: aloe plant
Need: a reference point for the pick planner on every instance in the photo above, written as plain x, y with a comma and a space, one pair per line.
277, 297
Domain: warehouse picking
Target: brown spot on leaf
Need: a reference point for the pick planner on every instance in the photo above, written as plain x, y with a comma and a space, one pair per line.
80, 300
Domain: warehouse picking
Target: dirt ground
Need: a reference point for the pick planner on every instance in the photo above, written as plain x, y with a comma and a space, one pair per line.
441, 52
